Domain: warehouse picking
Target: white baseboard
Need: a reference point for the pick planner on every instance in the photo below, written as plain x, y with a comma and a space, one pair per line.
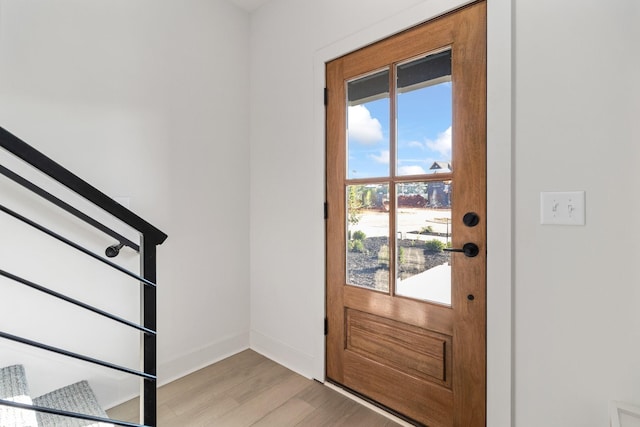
289, 357
190, 362
186, 364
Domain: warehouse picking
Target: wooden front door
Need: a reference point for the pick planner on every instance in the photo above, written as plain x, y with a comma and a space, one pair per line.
406, 227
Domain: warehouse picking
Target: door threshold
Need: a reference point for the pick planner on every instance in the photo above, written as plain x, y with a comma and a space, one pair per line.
370, 404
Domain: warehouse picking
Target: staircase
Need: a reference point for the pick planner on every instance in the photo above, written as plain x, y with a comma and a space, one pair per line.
78, 398
67, 209
73, 207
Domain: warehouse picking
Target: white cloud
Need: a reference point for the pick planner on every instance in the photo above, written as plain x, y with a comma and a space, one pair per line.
362, 127
382, 158
442, 144
415, 144
411, 170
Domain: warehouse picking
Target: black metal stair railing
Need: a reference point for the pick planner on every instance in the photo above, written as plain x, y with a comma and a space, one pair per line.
150, 237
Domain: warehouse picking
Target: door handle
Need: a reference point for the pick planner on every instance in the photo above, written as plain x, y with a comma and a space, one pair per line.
468, 249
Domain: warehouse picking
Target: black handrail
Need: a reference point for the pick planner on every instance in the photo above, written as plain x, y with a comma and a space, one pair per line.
74, 355
74, 301
35, 158
73, 244
67, 207
150, 237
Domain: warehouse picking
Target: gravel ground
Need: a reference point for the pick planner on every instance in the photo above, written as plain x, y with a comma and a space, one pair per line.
364, 267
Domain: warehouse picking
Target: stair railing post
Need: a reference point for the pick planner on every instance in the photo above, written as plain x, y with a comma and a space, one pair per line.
148, 389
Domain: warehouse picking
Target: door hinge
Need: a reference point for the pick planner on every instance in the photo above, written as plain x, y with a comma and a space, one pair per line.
326, 96
326, 210
326, 326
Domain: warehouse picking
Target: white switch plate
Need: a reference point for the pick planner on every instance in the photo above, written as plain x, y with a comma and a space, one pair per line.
562, 208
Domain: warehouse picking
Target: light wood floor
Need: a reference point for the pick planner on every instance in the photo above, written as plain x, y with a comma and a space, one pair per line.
248, 389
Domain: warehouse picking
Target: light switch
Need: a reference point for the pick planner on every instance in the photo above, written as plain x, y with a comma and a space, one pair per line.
562, 208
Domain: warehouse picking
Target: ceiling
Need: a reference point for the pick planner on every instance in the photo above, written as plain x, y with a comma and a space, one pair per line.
249, 5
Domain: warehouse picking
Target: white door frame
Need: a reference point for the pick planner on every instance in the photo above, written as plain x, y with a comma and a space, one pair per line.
500, 175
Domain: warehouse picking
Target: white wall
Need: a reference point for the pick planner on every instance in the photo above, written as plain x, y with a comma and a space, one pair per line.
148, 100
575, 290
577, 293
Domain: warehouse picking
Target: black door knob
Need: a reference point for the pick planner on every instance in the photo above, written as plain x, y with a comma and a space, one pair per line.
469, 249
471, 219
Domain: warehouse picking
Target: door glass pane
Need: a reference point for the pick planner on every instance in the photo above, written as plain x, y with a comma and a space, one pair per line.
424, 115
368, 236
368, 126
423, 217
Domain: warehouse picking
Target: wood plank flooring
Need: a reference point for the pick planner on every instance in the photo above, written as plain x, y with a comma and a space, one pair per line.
248, 389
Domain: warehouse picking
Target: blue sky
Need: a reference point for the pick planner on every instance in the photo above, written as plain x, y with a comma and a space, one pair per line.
424, 133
